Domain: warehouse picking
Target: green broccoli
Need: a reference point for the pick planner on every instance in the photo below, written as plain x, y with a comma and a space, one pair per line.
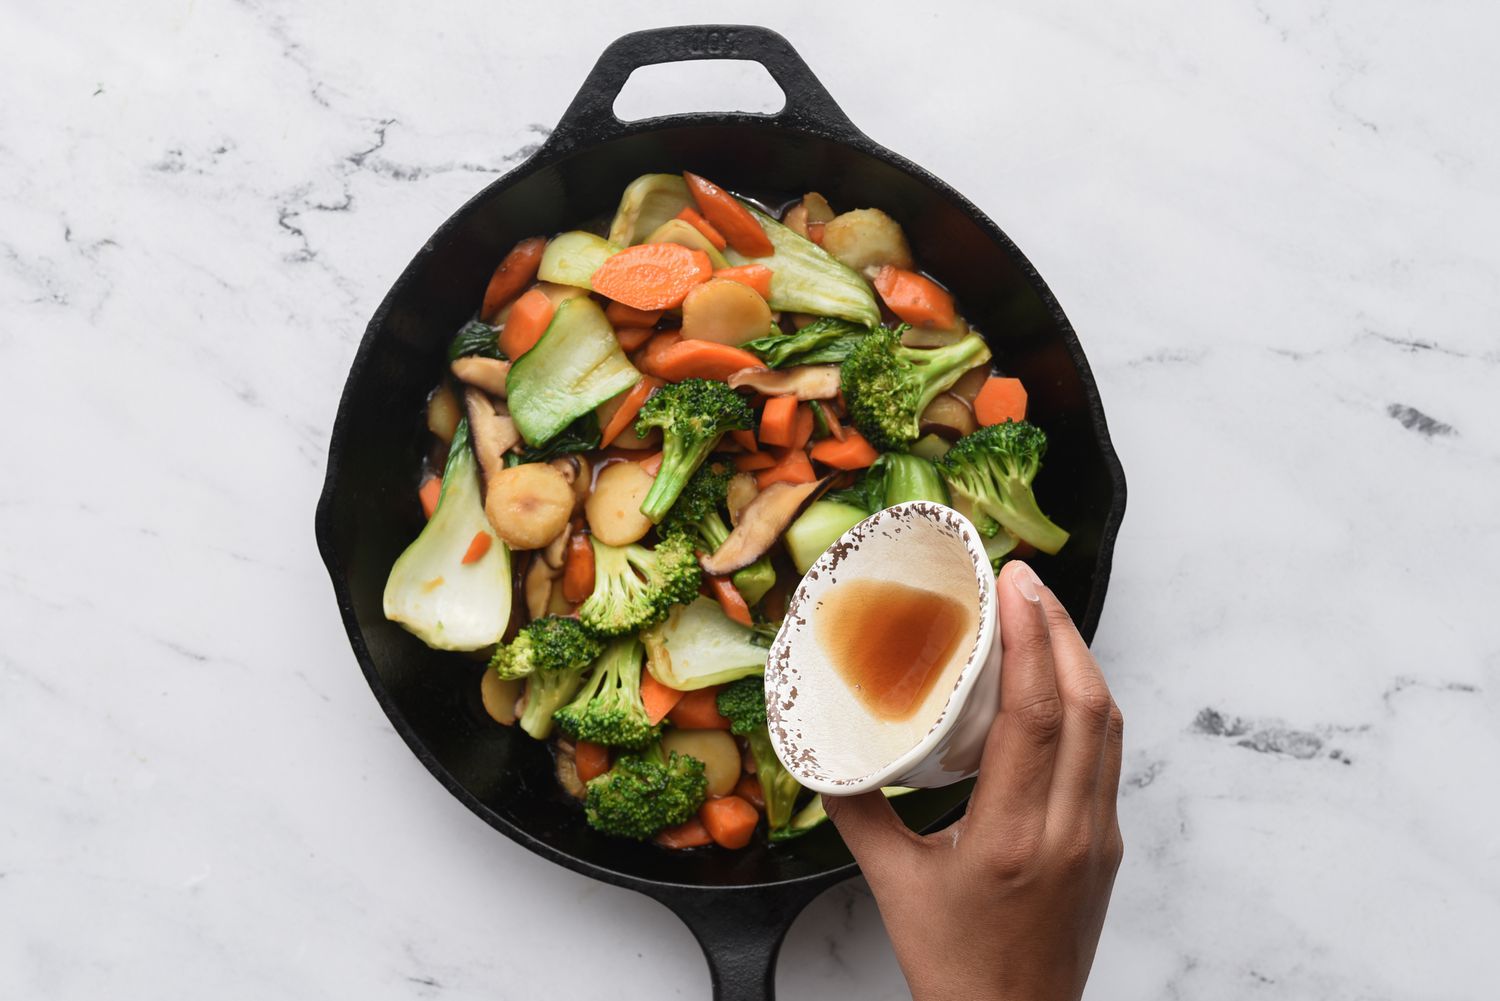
645, 792
635, 587
608, 709
696, 515
887, 385
743, 703
551, 654
992, 470
693, 415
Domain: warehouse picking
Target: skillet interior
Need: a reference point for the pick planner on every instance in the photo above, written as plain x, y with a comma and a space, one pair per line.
370, 513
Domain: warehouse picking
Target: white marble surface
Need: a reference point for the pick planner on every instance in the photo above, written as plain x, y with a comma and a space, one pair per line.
1273, 223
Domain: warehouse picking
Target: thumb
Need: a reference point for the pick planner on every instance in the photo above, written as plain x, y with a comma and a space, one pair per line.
875, 834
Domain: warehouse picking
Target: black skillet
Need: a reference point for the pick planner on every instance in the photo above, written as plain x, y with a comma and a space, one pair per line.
738, 904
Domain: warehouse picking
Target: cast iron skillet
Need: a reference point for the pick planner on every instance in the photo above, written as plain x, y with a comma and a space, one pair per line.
738, 904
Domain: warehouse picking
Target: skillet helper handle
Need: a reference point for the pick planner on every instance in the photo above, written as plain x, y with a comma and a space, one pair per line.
740, 933
809, 107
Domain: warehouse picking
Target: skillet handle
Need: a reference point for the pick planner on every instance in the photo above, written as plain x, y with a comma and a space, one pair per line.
740, 932
809, 107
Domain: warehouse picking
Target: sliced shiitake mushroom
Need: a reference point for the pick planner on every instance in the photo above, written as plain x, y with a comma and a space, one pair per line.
949, 416
487, 374
499, 696
567, 772
492, 429
575, 469
528, 505
812, 208
538, 587
761, 524
806, 382
742, 490
867, 238
970, 383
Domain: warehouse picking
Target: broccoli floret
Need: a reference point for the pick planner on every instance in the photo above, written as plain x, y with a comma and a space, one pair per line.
608, 709
552, 655
696, 515
635, 587
887, 385
992, 470
645, 792
743, 703
693, 415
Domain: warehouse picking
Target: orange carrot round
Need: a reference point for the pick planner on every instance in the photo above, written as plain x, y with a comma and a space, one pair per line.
622, 315
689, 834
658, 698
918, 300
625, 416
429, 492
791, 467
703, 226
730, 820
698, 710
748, 788
578, 569
743, 231
853, 452
591, 760
652, 275
631, 338
777, 421
514, 273
678, 359
1000, 400
526, 323
750, 462
757, 276
730, 600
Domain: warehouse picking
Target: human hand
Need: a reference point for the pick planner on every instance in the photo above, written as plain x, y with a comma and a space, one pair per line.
1008, 902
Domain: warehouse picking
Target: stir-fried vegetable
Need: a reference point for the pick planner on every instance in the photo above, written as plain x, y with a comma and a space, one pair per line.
668, 423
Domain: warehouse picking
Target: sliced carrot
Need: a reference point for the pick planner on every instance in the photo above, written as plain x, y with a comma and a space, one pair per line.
748, 788
802, 427
635, 398
698, 710
429, 492
578, 569
918, 300
650, 356
831, 419
651, 463
526, 323
1000, 400
851, 453
815, 232
658, 698
698, 359
749, 462
729, 598
778, 420
652, 275
746, 440
631, 338
478, 546
730, 820
689, 834
793, 467
514, 273
740, 228
757, 276
703, 226
591, 760
622, 315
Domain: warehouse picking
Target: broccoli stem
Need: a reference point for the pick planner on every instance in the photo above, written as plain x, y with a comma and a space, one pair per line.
678, 463
546, 692
1024, 518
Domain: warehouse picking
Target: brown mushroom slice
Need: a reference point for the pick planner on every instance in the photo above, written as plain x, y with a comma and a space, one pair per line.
761, 524
948, 416
492, 429
488, 374
742, 490
805, 382
971, 382
538, 587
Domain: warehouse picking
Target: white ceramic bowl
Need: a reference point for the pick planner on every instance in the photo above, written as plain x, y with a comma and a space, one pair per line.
820, 731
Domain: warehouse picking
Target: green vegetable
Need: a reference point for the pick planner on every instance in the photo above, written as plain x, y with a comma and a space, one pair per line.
910, 478
475, 338
992, 471
813, 814
580, 436
572, 258
887, 385
431, 592
608, 709
648, 201
576, 366
819, 527
645, 792
697, 647
931, 447
693, 415
551, 654
999, 546
635, 587
805, 278
743, 703
826, 341
696, 514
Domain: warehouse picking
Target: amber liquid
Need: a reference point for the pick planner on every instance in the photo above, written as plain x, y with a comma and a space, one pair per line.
889, 641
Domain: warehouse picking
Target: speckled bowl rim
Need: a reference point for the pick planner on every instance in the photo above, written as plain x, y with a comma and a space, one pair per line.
778, 664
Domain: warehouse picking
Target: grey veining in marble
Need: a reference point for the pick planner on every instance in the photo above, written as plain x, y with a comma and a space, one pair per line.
1273, 224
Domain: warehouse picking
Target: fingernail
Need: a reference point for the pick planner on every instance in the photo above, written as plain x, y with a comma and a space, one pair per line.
1027, 582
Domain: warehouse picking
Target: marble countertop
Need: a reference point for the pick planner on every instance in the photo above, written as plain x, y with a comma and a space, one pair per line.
1272, 223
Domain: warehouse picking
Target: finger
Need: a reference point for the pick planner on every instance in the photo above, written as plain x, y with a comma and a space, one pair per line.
1087, 707
1109, 769
1016, 769
877, 837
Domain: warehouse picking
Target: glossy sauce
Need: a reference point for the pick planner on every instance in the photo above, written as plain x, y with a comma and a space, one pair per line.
890, 642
